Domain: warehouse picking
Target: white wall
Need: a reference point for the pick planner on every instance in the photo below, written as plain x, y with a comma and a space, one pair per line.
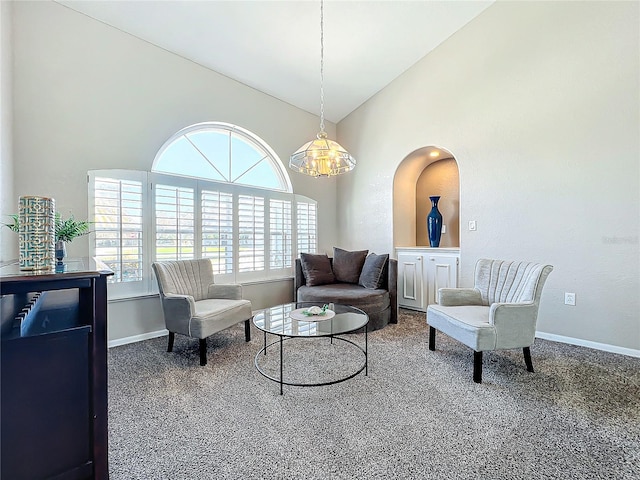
8, 239
88, 96
538, 101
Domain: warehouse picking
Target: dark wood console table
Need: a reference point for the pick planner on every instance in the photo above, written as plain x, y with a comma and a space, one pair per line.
54, 372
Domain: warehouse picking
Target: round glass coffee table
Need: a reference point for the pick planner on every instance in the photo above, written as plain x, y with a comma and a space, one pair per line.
289, 322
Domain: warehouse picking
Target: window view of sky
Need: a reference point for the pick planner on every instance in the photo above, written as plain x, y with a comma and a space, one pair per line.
221, 156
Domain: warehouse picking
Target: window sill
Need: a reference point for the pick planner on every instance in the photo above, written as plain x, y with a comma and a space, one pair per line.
142, 296
267, 280
133, 296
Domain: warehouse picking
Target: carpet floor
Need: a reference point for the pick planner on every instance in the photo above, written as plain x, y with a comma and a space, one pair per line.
416, 415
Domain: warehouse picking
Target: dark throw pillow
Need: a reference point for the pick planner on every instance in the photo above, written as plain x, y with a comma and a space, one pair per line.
347, 266
317, 269
373, 270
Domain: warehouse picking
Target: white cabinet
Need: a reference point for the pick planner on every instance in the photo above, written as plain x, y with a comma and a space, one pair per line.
410, 280
422, 271
442, 272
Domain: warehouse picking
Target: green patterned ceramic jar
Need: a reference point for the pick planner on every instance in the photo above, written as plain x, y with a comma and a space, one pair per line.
37, 232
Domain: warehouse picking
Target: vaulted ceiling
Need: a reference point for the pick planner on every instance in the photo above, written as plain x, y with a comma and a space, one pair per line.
274, 46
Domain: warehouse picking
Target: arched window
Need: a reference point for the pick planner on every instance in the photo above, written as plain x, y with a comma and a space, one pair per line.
214, 191
222, 153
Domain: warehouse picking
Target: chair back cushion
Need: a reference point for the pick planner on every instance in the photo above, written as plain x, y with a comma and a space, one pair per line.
184, 277
502, 281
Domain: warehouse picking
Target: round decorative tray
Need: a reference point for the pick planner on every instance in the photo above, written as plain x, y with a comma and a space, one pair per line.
301, 317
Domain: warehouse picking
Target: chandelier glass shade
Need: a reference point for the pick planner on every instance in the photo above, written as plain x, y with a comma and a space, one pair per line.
322, 157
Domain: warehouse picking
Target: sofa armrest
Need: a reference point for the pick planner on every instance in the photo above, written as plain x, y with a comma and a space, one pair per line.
392, 287
299, 279
231, 291
452, 297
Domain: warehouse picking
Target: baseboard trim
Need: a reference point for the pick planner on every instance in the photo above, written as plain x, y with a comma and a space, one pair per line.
137, 338
630, 352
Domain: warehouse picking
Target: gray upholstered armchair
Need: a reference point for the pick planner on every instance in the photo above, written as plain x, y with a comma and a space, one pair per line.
500, 312
195, 306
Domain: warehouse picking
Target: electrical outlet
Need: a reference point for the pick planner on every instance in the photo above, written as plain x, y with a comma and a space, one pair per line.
569, 298
472, 225
444, 229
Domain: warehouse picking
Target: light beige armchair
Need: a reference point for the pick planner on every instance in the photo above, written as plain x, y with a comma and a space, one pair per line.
500, 312
195, 306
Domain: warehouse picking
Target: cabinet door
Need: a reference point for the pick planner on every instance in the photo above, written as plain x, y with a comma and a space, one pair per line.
45, 407
442, 272
410, 281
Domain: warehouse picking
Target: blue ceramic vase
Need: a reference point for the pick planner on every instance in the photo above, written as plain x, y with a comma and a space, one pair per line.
434, 223
61, 252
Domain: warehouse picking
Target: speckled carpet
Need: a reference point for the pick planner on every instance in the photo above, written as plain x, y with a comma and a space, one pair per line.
417, 415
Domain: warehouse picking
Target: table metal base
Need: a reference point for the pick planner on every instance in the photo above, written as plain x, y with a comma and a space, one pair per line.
281, 380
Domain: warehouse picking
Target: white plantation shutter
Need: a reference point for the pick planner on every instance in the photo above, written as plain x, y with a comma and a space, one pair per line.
280, 238
117, 208
175, 222
307, 226
217, 230
250, 233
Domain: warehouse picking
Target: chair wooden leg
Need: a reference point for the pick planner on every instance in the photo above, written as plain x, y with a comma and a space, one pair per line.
432, 338
247, 330
477, 367
172, 337
527, 359
203, 351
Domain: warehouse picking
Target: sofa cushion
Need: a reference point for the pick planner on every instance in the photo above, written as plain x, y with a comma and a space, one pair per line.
317, 269
372, 275
369, 300
347, 266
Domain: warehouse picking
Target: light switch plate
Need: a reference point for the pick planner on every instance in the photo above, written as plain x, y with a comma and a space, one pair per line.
569, 298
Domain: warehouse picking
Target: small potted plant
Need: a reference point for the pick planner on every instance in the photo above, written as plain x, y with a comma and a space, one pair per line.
67, 230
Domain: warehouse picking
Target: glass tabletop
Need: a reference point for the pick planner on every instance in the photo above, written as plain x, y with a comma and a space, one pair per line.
277, 320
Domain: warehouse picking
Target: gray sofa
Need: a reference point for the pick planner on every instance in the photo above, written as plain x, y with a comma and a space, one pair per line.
381, 304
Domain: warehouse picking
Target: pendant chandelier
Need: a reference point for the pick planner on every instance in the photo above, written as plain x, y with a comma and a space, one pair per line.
322, 157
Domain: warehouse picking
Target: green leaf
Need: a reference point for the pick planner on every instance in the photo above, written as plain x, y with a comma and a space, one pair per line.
14, 226
66, 229
70, 228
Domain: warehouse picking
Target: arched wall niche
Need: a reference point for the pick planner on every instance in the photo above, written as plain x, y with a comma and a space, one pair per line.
427, 171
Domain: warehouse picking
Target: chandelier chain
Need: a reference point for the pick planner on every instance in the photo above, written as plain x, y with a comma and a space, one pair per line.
321, 157
322, 66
